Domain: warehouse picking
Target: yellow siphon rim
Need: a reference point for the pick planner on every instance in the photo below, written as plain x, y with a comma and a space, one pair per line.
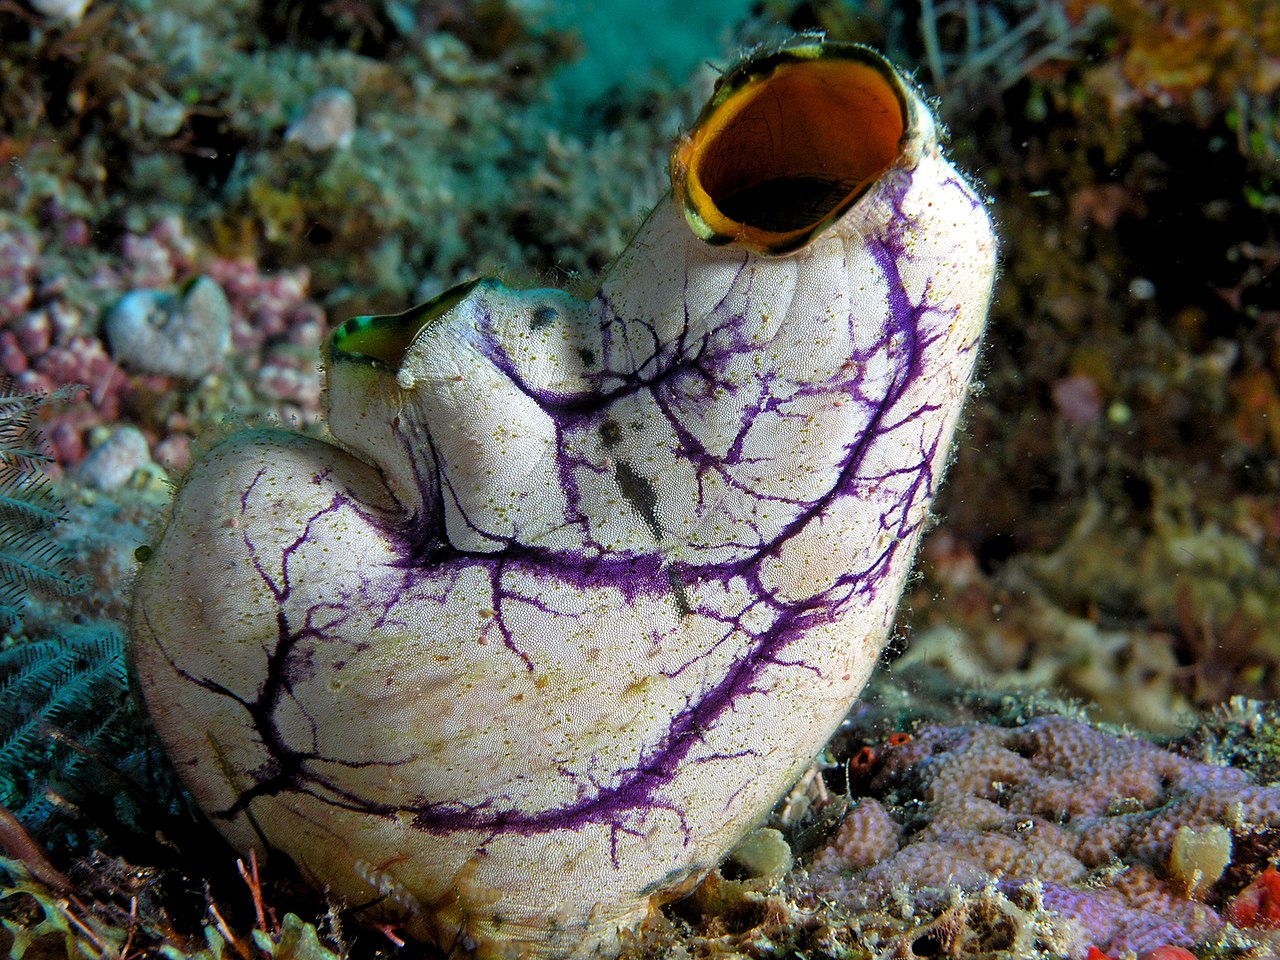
788, 142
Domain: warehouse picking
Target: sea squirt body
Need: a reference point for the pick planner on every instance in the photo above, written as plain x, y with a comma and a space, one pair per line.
584, 585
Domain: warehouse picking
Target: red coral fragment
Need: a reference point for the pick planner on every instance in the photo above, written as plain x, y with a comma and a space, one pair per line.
1168, 953
1258, 904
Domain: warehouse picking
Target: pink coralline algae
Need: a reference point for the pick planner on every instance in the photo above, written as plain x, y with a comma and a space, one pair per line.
1078, 398
268, 307
19, 252
170, 310
160, 257
275, 330
1057, 814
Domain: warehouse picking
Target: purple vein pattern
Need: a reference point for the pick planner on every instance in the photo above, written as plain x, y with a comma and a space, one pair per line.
598, 582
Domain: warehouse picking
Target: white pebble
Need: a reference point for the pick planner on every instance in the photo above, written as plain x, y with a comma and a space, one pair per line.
111, 464
330, 121
70, 10
1140, 288
156, 332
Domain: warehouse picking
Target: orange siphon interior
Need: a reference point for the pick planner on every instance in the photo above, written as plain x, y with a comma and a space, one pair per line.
785, 153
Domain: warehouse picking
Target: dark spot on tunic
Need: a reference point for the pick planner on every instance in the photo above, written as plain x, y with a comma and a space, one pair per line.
678, 593
610, 433
543, 317
639, 492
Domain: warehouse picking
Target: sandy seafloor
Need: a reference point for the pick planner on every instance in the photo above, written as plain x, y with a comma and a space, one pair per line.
1106, 543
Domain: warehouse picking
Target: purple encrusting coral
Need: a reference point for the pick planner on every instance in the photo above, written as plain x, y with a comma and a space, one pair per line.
1059, 815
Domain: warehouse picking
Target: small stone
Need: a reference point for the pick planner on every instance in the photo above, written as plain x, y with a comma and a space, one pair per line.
764, 854
1140, 288
174, 452
34, 332
155, 332
70, 10
164, 116
330, 121
1078, 398
111, 464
